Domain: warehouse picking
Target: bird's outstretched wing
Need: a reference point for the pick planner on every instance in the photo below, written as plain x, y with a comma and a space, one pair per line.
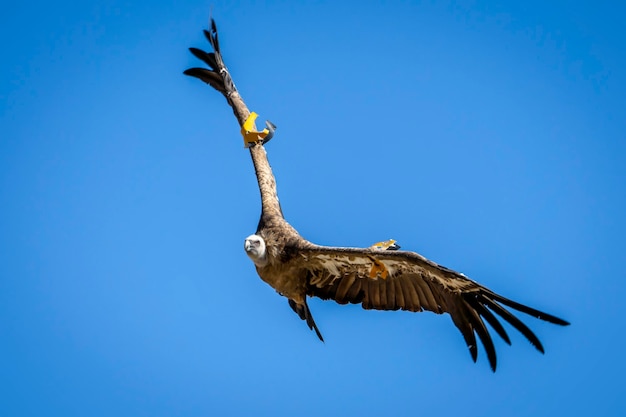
403, 280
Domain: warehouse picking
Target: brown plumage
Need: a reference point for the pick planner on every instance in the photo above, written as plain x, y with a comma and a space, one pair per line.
377, 279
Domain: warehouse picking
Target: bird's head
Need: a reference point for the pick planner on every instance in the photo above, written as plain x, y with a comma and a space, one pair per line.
255, 249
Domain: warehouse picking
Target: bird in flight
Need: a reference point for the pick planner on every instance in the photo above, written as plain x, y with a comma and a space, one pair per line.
379, 277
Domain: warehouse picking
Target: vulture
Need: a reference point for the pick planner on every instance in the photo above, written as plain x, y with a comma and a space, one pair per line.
380, 277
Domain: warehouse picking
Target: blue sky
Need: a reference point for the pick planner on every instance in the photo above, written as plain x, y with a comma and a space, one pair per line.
487, 136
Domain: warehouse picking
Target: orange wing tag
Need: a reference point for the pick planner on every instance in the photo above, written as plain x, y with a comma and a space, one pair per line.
378, 270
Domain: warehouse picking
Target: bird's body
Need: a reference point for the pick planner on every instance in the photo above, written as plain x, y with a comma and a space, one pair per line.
280, 268
378, 277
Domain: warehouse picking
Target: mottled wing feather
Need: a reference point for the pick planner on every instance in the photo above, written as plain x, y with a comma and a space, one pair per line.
399, 295
343, 288
412, 282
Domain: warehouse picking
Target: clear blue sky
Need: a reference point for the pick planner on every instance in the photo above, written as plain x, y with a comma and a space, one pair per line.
487, 135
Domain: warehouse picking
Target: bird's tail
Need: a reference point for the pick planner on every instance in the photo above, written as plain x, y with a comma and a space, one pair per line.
217, 76
302, 310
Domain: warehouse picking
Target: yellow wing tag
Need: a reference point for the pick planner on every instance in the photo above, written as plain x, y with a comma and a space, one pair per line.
251, 136
386, 245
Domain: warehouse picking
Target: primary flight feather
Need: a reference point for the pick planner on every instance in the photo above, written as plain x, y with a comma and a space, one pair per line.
379, 277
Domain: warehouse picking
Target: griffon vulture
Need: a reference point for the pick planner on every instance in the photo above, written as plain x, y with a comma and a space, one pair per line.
379, 277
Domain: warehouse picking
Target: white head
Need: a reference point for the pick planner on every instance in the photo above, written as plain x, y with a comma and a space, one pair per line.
255, 249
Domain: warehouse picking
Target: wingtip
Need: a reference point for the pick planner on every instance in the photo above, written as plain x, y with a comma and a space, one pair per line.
473, 349
560, 322
527, 310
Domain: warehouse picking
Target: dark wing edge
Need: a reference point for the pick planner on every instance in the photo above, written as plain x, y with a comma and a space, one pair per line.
302, 310
217, 76
425, 285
